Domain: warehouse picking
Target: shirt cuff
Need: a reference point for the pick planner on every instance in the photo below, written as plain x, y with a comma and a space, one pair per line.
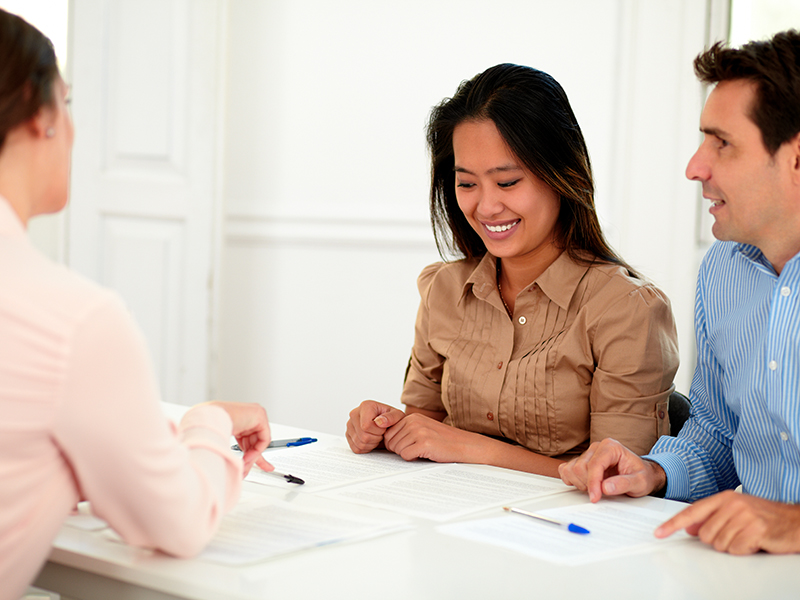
677, 474
210, 417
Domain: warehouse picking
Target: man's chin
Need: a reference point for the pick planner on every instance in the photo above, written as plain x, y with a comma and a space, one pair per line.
720, 233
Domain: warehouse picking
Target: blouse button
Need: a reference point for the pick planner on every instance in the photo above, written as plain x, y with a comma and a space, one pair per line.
490, 416
661, 414
500, 365
522, 320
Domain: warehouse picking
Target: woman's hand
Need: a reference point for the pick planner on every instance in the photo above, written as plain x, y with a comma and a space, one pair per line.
420, 436
251, 430
367, 424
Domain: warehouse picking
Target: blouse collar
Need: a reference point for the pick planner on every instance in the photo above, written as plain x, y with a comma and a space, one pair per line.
559, 281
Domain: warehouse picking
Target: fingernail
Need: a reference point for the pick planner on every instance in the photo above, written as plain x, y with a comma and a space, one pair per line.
611, 488
380, 420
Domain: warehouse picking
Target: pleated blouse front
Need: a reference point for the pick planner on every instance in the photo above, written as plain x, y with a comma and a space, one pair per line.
589, 353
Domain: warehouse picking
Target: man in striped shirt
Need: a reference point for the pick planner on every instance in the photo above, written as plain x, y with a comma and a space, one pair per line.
745, 423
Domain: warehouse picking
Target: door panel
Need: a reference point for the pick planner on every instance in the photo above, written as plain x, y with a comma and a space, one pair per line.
145, 79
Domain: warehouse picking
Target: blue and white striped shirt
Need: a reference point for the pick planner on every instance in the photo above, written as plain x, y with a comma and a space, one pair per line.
745, 423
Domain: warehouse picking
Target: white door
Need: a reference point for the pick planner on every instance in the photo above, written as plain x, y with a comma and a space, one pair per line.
145, 94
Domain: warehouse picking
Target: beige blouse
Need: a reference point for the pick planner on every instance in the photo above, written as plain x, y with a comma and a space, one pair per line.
590, 353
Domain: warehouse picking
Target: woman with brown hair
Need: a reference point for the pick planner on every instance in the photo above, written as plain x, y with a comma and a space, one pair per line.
80, 417
539, 339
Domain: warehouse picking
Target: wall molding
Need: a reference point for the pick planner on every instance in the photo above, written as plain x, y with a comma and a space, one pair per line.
241, 229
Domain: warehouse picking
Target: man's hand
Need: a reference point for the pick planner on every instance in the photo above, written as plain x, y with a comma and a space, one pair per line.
609, 468
739, 524
367, 424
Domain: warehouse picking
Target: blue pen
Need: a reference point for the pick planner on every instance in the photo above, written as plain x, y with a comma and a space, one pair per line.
291, 442
568, 526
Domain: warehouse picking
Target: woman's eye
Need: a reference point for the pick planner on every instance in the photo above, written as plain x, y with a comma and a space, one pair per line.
464, 184
508, 184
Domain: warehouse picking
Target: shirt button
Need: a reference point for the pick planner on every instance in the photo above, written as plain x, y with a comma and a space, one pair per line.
500, 365
785, 291
490, 416
773, 365
522, 320
784, 436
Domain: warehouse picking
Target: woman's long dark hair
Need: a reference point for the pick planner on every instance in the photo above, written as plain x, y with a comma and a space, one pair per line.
533, 115
28, 69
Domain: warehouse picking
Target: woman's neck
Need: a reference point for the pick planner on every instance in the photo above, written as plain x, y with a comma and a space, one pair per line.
519, 271
19, 180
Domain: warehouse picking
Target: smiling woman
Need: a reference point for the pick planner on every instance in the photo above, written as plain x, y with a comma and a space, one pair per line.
540, 339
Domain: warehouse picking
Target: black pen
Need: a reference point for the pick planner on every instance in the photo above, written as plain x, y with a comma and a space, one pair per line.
289, 478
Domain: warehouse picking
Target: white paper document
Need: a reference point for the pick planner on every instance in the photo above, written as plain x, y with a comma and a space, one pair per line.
83, 518
258, 530
325, 467
449, 491
85, 522
617, 528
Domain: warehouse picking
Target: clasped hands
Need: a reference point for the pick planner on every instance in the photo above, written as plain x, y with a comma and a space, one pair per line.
728, 521
414, 435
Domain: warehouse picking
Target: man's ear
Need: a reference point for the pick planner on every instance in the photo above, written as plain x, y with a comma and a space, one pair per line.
794, 149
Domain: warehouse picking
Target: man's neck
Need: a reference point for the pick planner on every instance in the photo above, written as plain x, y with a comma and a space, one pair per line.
778, 254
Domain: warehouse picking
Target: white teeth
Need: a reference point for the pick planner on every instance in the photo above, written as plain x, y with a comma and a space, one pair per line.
500, 228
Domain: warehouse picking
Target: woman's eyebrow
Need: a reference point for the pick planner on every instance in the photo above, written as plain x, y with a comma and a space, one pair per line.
500, 169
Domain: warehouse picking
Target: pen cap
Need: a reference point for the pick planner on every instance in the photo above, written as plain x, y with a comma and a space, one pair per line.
577, 529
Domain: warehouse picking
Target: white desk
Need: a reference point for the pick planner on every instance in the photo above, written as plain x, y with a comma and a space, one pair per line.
417, 563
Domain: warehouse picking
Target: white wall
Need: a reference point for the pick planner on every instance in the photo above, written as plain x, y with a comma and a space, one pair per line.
325, 174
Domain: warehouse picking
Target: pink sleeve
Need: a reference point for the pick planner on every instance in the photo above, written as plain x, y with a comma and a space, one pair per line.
157, 487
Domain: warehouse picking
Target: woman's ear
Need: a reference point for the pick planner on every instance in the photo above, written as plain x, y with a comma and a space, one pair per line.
41, 125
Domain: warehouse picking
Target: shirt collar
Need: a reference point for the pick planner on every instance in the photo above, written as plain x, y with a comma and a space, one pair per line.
483, 278
558, 282
561, 279
9, 220
754, 255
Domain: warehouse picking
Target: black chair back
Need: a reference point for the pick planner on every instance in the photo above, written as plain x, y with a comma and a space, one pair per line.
679, 410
